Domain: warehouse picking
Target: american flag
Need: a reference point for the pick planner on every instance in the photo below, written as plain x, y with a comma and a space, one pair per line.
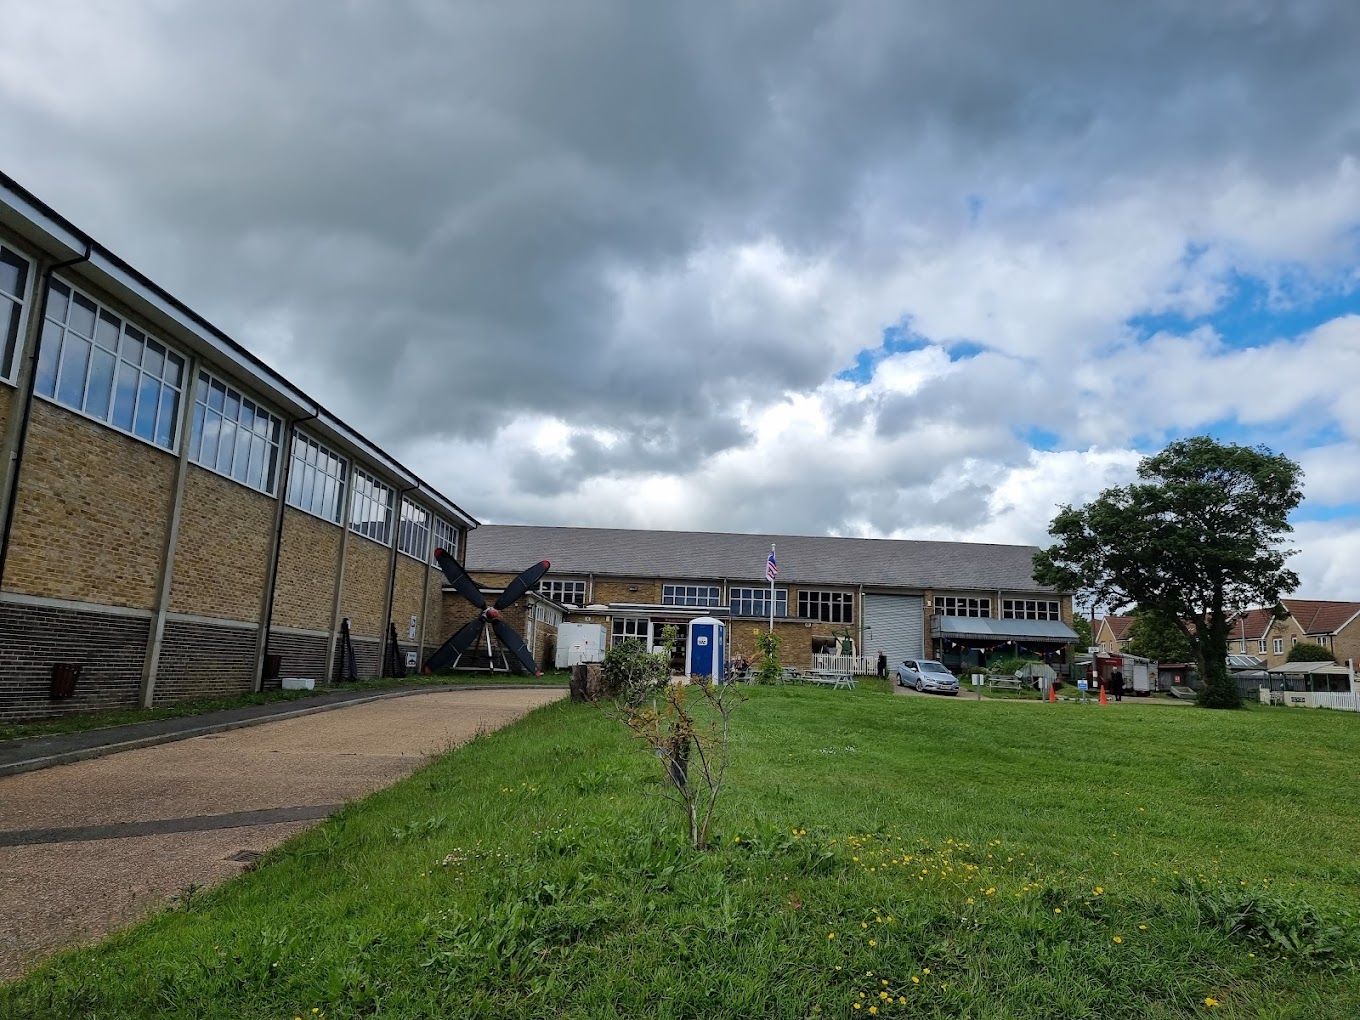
771, 568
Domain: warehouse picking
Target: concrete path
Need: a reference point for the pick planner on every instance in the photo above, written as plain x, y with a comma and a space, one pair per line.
29, 753
89, 847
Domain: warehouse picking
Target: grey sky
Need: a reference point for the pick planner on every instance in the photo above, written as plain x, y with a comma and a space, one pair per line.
604, 262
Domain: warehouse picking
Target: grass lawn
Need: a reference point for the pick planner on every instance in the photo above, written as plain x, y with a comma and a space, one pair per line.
914, 857
122, 716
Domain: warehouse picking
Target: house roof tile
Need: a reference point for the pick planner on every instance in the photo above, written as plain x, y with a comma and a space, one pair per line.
1320, 616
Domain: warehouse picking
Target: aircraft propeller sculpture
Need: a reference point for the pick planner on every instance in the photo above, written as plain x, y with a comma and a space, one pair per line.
451, 653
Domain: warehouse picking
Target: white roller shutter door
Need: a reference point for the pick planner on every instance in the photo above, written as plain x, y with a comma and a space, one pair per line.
896, 625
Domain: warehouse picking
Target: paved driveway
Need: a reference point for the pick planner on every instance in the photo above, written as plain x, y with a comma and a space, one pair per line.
89, 847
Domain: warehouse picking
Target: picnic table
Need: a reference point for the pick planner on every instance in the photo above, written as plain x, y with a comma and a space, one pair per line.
1005, 683
836, 678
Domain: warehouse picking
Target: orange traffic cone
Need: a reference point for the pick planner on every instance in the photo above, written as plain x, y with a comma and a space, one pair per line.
1052, 693
1102, 695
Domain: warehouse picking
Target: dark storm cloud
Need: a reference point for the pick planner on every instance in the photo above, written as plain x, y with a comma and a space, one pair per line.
441, 199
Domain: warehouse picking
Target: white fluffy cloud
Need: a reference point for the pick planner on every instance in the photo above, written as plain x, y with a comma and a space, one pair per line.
635, 264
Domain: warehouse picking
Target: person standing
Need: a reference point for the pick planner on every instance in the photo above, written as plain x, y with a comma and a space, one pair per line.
1117, 684
882, 664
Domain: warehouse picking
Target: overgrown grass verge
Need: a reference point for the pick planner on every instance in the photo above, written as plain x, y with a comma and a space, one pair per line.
906, 856
104, 718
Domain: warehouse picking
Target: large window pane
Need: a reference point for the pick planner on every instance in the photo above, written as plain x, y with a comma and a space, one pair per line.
58, 298
10, 315
107, 330
226, 446
240, 466
13, 273
102, 366
134, 340
75, 359
46, 383
148, 399
154, 361
81, 320
167, 421
125, 397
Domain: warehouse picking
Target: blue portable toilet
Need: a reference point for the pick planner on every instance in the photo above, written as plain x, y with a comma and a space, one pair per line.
706, 653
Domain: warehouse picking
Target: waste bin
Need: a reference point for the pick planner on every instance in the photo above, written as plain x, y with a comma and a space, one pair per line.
64, 677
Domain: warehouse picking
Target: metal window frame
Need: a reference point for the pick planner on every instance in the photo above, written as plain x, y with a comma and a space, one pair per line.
761, 595
275, 418
342, 480
716, 598
124, 321
25, 303
358, 474
426, 528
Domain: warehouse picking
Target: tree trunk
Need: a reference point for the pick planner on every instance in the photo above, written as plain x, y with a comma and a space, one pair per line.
1220, 688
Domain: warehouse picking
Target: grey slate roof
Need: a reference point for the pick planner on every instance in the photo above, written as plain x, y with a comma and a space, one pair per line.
703, 555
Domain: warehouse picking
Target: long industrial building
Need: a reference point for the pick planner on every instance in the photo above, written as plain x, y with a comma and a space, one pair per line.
178, 519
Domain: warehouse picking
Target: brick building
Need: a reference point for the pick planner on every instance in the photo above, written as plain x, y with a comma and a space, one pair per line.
955, 601
1269, 634
176, 514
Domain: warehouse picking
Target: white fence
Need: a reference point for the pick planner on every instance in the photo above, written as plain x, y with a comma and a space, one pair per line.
1344, 702
860, 665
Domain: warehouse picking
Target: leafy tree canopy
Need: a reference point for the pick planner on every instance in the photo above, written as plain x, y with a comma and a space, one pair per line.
1153, 636
1085, 639
1197, 537
1309, 651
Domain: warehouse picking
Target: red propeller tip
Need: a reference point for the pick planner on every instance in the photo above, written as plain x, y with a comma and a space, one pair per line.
544, 563
439, 552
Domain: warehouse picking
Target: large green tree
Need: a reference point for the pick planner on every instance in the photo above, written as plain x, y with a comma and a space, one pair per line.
1153, 636
1196, 538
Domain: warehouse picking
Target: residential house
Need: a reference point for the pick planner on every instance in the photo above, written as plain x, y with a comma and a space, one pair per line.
1112, 633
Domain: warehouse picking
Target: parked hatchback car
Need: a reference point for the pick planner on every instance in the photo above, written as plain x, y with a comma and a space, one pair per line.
927, 675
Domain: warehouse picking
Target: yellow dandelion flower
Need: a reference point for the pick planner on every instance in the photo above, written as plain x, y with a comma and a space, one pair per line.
902, 1000
863, 924
1118, 940
831, 935
1211, 1002
838, 966
1142, 927
915, 980
926, 971
884, 995
884, 981
1057, 910
858, 1005
873, 942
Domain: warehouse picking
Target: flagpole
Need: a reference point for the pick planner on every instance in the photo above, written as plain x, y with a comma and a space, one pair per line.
771, 592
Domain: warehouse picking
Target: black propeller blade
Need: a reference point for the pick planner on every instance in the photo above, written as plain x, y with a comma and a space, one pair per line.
521, 584
454, 646
517, 647
458, 577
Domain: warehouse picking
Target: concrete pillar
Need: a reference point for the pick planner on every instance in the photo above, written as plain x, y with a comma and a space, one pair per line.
151, 665
28, 347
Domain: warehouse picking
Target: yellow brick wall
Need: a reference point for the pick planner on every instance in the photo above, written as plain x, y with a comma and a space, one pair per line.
611, 589
93, 509
5, 400
308, 559
1287, 630
365, 591
222, 553
795, 647
407, 597
1346, 645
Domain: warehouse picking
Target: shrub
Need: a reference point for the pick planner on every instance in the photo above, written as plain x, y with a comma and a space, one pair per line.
1309, 651
631, 673
769, 670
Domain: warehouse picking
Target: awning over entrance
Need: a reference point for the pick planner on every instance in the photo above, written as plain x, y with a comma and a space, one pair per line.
974, 628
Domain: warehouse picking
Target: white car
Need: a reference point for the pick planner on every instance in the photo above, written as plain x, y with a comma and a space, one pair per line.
927, 675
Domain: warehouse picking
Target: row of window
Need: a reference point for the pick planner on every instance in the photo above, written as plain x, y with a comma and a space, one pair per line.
1277, 645
1011, 609
94, 361
824, 606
